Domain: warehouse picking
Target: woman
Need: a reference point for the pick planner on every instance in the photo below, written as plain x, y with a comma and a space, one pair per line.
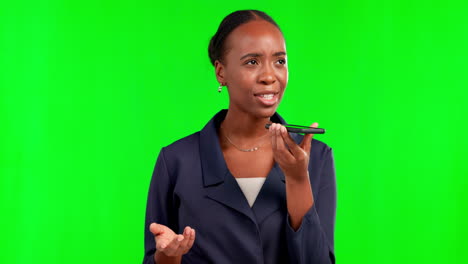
236, 192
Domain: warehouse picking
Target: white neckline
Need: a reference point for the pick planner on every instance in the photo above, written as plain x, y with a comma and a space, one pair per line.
251, 187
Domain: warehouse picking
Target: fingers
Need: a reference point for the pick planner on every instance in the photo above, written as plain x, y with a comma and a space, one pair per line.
176, 245
279, 148
185, 237
273, 136
189, 239
156, 229
280, 137
280, 145
295, 149
162, 235
307, 140
172, 248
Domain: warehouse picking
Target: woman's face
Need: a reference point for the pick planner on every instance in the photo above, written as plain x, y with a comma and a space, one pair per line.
254, 68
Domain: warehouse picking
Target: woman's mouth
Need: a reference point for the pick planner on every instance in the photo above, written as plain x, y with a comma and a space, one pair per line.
267, 99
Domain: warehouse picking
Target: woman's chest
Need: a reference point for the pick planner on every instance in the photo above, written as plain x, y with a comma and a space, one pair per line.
249, 164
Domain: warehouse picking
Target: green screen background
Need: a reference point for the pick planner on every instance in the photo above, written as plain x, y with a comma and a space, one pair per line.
91, 90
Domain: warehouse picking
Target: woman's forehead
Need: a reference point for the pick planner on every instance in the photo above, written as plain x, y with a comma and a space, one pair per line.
256, 35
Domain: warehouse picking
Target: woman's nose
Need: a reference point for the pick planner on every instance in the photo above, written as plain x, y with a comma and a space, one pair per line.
267, 76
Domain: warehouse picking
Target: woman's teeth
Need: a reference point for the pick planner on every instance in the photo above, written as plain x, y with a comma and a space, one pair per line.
267, 96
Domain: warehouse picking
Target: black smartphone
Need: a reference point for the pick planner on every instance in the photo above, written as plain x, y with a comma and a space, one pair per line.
301, 129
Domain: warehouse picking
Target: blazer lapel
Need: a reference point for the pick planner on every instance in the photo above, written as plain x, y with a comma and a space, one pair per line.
230, 194
220, 185
272, 196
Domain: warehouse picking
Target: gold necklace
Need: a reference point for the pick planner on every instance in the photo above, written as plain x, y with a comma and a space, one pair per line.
239, 148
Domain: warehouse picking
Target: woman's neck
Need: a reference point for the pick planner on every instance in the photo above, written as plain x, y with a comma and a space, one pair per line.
243, 126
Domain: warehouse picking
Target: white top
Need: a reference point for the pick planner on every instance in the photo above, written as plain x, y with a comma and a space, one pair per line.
251, 187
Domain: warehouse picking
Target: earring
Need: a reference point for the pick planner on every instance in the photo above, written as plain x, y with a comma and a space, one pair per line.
220, 88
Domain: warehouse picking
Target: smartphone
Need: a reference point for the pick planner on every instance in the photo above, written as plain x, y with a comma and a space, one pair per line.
301, 129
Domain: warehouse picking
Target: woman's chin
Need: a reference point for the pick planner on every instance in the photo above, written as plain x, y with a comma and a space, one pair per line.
257, 112
266, 112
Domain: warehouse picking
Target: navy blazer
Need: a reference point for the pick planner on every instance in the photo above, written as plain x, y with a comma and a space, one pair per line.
192, 186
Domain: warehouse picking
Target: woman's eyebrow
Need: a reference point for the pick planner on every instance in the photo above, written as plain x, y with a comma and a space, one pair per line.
276, 54
251, 55
279, 53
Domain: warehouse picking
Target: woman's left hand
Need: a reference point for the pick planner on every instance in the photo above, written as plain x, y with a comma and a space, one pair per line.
292, 158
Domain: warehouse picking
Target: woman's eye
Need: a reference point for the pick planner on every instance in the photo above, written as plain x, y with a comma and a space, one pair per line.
251, 62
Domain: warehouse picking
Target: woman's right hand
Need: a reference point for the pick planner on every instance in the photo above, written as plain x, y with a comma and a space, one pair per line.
171, 244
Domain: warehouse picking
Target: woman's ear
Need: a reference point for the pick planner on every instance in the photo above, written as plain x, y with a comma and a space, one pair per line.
219, 70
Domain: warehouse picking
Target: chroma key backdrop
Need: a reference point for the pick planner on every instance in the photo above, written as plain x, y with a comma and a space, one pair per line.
91, 90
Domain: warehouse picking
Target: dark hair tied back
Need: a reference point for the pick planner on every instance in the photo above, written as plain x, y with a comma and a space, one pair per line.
216, 47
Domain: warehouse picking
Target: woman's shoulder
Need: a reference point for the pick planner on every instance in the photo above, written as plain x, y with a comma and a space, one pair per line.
187, 144
320, 146
320, 150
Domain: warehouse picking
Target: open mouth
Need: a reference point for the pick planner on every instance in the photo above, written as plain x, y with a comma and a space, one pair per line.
267, 99
267, 96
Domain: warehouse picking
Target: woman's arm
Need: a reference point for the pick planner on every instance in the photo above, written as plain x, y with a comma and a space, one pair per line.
162, 244
299, 199
313, 241
310, 227
294, 162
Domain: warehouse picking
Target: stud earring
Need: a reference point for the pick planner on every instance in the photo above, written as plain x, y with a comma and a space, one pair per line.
220, 88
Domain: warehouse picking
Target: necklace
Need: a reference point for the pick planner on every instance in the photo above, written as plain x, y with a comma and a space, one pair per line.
242, 149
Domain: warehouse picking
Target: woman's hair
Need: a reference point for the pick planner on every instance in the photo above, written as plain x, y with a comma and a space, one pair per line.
216, 47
